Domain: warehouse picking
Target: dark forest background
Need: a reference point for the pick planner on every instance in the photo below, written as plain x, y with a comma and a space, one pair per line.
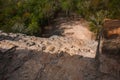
29, 16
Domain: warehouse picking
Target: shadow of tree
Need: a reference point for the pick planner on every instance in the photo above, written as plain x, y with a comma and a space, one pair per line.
7, 37
22, 64
55, 28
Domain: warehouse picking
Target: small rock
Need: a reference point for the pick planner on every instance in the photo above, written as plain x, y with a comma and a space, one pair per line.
31, 44
51, 48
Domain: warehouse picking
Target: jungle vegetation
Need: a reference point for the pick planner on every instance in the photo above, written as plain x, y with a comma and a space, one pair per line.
29, 16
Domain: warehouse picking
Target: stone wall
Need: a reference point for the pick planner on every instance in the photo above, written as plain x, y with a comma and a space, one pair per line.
110, 54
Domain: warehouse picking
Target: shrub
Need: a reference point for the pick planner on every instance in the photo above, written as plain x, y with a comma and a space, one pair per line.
33, 27
97, 20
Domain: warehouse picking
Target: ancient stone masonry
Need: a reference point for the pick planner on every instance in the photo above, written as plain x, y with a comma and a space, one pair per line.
110, 55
